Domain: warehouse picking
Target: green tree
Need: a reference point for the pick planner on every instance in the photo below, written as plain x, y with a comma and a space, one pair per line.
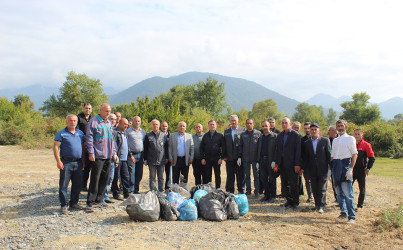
20, 99
210, 96
76, 90
358, 111
263, 110
331, 116
309, 113
398, 117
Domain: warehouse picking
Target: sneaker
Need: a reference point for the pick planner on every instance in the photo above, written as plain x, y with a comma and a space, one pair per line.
118, 197
63, 211
320, 210
350, 221
75, 207
342, 217
109, 201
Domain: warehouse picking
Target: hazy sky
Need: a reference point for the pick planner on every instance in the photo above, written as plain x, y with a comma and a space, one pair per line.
297, 48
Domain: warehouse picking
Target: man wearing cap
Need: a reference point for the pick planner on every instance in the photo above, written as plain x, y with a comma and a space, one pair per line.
344, 156
316, 160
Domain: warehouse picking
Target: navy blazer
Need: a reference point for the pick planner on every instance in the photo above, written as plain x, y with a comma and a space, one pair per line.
317, 164
292, 150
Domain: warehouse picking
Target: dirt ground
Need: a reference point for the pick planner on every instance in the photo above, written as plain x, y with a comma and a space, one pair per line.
266, 225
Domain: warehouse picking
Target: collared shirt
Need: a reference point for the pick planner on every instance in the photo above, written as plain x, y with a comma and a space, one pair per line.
181, 145
197, 140
314, 144
233, 131
135, 139
344, 147
124, 151
71, 144
99, 139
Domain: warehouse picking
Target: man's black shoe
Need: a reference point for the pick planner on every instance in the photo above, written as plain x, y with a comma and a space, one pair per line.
271, 200
287, 204
295, 207
109, 201
118, 197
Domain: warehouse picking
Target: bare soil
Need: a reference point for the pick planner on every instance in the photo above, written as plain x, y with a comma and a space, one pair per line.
29, 195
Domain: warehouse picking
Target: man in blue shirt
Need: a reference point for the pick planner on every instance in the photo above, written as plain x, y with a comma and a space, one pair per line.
68, 151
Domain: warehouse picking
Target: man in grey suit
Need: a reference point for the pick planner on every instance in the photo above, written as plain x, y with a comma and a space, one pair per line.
181, 153
232, 137
316, 159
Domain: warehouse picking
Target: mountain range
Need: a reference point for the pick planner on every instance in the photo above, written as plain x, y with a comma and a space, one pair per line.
239, 93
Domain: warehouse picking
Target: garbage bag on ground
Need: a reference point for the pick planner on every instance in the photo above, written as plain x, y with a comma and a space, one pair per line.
208, 187
199, 194
243, 204
143, 207
188, 210
211, 209
231, 207
175, 198
217, 194
169, 211
180, 190
183, 184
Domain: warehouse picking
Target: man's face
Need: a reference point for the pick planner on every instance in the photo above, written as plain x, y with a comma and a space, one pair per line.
341, 128
234, 122
212, 126
182, 127
249, 125
314, 132
358, 136
164, 127
118, 116
332, 133
113, 120
198, 128
272, 124
123, 124
105, 111
306, 129
265, 127
71, 122
87, 109
285, 124
136, 122
296, 127
155, 126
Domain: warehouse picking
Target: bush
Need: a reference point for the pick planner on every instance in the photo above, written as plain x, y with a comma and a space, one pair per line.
391, 219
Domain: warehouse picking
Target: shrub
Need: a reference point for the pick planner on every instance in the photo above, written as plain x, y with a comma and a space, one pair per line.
391, 219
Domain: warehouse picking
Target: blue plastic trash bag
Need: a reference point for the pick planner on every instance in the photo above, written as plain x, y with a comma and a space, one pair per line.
188, 210
175, 198
243, 204
198, 194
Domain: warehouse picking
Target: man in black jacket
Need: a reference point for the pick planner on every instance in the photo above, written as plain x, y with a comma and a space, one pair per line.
316, 160
83, 119
212, 151
232, 137
288, 159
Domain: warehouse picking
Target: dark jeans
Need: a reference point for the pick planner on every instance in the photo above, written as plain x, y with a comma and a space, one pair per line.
87, 169
123, 171
268, 179
233, 170
246, 167
98, 180
319, 188
197, 171
308, 185
212, 162
289, 178
359, 175
72, 171
136, 172
180, 168
168, 175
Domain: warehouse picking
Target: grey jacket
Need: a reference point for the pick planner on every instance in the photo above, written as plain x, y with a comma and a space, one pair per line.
249, 146
173, 148
197, 140
155, 148
232, 147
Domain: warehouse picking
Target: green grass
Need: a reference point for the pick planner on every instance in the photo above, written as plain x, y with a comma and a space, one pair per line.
388, 167
391, 219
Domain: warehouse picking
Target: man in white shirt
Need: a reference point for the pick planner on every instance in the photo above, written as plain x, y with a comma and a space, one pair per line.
343, 157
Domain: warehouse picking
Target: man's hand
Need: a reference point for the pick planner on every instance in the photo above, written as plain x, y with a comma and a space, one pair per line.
115, 159
60, 165
239, 162
273, 165
190, 161
171, 161
116, 164
92, 157
132, 159
203, 162
257, 166
366, 171
297, 169
166, 161
145, 162
301, 172
349, 174
219, 161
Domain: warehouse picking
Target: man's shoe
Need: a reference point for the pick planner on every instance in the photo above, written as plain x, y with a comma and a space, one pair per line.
320, 210
309, 200
63, 210
118, 197
109, 201
350, 221
89, 209
101, 204
264, 199
287, 204
295, 207
342, 217
75, 207
271, 200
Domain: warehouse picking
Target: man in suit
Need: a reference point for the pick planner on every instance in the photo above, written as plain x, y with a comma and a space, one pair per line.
316, 160
288, 159
232, 137
181, 153
168, 168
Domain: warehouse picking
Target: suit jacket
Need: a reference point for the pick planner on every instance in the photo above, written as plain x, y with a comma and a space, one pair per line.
291, 149
231, 147
173, 148
271, 148
317, 164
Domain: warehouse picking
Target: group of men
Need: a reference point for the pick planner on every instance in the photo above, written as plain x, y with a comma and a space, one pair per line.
105, 150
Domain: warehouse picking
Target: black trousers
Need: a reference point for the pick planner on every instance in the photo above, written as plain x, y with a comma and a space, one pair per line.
121, 170
290, 178
168, 175
87, 169
308, 185
212, 162
268, 179
197, 171
319, 188
98, 180
180, 168
235, 171
359, 175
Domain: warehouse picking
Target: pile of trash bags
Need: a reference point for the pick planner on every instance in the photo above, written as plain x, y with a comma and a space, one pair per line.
180, 202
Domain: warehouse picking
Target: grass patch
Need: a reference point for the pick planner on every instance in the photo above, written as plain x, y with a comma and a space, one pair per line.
391, 219
388, 167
